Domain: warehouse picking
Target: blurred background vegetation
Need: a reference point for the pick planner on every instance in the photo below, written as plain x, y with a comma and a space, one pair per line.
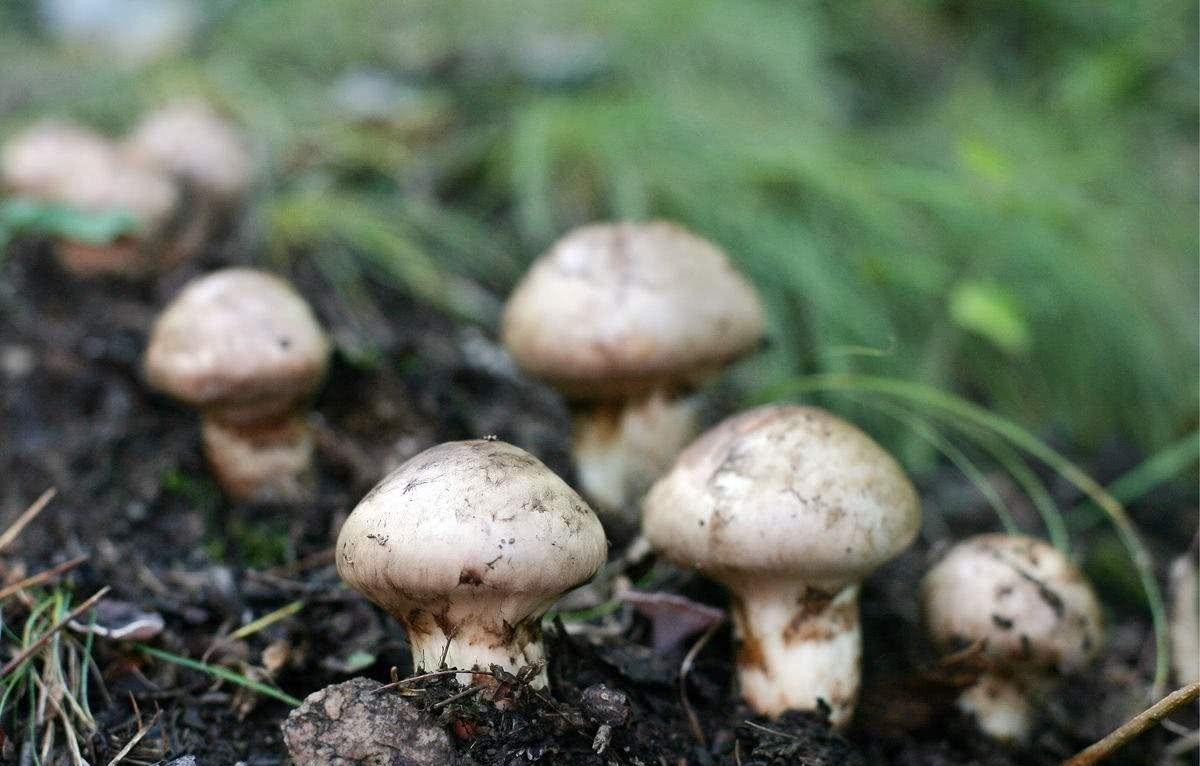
996, 198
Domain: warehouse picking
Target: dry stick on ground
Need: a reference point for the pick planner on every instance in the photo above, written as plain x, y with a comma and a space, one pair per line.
44, 639
684, 669
1135, 726
27, 516
132, 743
41, 577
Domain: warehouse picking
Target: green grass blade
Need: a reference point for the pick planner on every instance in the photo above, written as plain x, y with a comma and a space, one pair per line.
930, 434
222, 673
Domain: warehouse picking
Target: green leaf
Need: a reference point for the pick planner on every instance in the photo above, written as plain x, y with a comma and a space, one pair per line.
990, 311
22, 215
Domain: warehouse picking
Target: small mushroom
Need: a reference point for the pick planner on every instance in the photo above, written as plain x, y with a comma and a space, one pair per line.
468, 544
189, 140
242, 347
1030, 609
69, 165
791, 508
1184, 586
627, 319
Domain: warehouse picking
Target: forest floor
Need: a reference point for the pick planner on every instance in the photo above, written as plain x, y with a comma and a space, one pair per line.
134, 497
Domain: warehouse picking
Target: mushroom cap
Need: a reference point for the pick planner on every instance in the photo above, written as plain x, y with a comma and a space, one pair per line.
190, 140
618, 309
239, 342
64, 163
465, 521
36, 161
1026, 600
783, 491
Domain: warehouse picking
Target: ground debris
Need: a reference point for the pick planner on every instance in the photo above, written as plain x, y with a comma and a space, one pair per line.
352, 724
795, 739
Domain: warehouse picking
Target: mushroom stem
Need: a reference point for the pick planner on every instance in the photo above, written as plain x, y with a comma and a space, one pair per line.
621, 448
1001, 706
473, 646
261, 459
798, 644
85, 259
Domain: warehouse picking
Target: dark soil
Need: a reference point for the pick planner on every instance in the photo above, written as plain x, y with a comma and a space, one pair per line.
135, 497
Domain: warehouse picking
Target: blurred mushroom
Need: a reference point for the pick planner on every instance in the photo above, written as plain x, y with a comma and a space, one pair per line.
189, 140
791, 508
1031, 609
627, 319
467, 544
65, 164
246, 350
1185, 617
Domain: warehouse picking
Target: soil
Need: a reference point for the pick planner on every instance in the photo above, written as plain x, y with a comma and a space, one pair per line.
134, 496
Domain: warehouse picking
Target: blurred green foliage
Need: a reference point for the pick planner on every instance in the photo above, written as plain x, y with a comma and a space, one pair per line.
998, 198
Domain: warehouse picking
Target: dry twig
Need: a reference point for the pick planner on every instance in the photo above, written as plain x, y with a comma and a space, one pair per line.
41, 577
1134, 726
44, 639
684, 669
27, 516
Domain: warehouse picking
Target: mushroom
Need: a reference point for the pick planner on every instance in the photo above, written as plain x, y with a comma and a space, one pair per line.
791, 508
626, 319
1184, 586
65, 164
246, 350
1030, 610
189, 140
467, 544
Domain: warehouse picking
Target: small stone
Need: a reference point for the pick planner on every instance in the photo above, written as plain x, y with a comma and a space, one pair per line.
605, 706
353, 724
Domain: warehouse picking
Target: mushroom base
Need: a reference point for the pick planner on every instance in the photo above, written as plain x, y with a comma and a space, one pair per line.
126, 257
622, 448
264, 461
475, 649
798, 646
1001, 706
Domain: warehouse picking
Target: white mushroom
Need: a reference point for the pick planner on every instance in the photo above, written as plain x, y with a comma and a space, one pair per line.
1185, 618
1031, 609
791, 508
627, 319
245, 349
190, 140
193, 143
467, 544
72, 166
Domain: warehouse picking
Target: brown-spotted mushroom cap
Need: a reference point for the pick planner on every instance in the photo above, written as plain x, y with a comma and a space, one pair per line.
619, 309
783, 491
1022, 597
240, 344
1028, 609
192, 141
467, 544
791, 508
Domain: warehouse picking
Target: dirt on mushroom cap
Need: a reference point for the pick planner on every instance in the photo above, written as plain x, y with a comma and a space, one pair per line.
617, 309
476, 519
1021, 595
783, 490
